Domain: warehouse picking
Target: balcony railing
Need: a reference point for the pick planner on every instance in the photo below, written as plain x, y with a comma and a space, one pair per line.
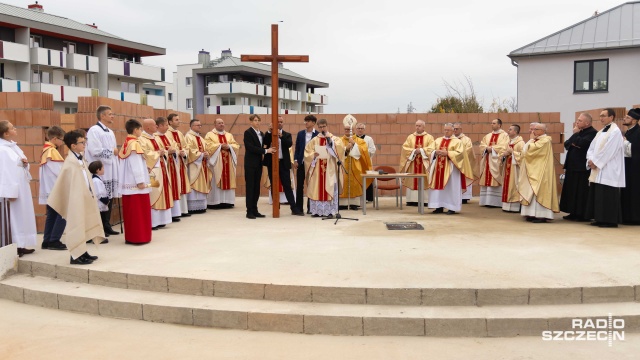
7, 85
11, 51
243, 109
134, 70
155, 101
125, 96
240, 87
48, 57
83, 63
317, 99
64, 93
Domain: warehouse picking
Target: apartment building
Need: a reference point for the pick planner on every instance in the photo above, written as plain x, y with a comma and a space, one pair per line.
42, 52
227, 85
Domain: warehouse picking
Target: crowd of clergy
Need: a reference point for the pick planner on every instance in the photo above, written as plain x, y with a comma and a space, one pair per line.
160, 175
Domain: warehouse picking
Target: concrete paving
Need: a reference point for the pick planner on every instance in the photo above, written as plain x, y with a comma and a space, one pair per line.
478, 248
32, 332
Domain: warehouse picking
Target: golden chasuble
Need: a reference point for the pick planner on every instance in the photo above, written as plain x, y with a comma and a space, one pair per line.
167, 144
490, 164
225, 168
183, 179
538, 175
456, 153
510, 176
418, 165
356, 167
199, 173
321, 178
151, 146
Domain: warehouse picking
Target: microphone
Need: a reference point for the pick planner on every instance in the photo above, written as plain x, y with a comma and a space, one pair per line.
329, 142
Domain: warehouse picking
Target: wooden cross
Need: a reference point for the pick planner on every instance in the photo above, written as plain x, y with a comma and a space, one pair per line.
274, 59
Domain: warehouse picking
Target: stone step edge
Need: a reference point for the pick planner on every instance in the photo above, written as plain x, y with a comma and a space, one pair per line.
162, 308
336, 295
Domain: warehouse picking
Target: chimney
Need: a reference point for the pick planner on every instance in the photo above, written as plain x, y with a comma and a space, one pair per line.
226, 54
35, 7
204, 57
93, 25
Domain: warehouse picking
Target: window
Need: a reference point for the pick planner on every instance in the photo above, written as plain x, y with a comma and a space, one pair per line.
70, 110
39, 76
189, 103
129, 87
260, 103
228, 101
170, 96
70, 80
591, 76
35, 41
223, 78
188, 81
69, 47
208, 102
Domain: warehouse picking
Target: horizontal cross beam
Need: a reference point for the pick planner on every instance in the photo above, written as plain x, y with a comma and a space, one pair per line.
279, 58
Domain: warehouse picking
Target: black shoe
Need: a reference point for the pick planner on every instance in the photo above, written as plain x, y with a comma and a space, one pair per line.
23, 251
438, 211
595, 223
343, 207
608, 225
106, 235
529, 218
251, 216
465, 201
89, 241
154, 228
412, 203
539, 220
297, 213
44, 246
56, 245
111, 232
105, 241
308, 212
90, 257
80, 261
258, 215
175, 219
161, 226
354, 207
570, 217
315, 215
185, 215
451, 212
330, 216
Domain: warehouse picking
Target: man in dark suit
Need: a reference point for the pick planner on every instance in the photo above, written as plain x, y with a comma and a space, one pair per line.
304, 136
284, 164
253, 139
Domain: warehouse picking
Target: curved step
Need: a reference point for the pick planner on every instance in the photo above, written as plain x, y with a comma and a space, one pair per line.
309, 318
335, 295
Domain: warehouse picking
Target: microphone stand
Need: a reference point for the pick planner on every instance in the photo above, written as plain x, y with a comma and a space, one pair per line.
338, 217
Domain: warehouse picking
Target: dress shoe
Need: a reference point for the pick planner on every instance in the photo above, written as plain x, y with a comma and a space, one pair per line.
343, 207
465, 201
529, 218
80, 261
105, 241
412, 203
56, 245
297, 213
315, 215
608, 225
106, 235
438, 211
175, 219
330, 216
23, 251
258, 215
161, 226
251, 216
569, 217
354, 207
595, 223
154, 228
90, 257
44, 246
538, 220
451, 212
111, 232
309, 212
185, 215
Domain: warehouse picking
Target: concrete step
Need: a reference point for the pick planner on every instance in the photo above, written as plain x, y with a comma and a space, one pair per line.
335, 295
309, 318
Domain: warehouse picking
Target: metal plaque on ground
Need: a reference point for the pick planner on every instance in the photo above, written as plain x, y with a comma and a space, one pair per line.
412, 225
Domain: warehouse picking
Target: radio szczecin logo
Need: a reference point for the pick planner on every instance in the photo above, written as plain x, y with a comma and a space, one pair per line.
599, 329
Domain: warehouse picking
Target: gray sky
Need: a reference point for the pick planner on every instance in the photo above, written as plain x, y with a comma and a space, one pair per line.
377, 56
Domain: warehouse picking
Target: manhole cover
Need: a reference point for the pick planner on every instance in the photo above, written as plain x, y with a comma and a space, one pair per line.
404, 226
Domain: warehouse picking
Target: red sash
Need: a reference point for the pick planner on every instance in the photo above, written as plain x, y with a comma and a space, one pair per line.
225, 180
321, 166
418, 166
507, 176
440, 166
165, 177
205, 168
487, 173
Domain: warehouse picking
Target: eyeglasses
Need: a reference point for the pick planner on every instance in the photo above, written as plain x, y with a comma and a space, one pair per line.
81, 142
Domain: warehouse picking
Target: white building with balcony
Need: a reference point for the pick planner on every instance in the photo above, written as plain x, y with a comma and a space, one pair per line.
52, 54
229, 86
592, 64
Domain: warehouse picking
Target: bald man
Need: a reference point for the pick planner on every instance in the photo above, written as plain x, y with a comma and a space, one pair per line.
414, 159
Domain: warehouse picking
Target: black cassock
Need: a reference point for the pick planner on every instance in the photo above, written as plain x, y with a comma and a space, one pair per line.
631, 193
575, 189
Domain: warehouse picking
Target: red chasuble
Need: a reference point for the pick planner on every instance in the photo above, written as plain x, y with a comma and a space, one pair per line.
172, 168
166, 193
418, 166
440, 166
225, 181
507, 176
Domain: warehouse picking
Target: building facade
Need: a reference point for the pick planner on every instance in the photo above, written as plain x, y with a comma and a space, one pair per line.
592, 64
46, 53
228, 85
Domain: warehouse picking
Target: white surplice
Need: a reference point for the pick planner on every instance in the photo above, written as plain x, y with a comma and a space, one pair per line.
100, 144
14, 184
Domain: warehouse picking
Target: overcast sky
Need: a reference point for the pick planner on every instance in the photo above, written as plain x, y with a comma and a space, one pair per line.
377, 56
